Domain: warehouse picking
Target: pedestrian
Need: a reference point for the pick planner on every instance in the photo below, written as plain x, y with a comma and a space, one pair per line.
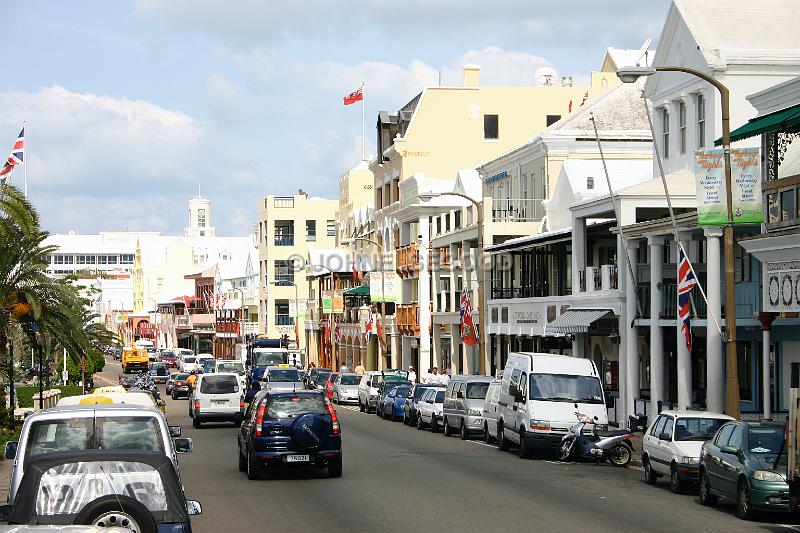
412, 376
360, 369
426, 376
343, 368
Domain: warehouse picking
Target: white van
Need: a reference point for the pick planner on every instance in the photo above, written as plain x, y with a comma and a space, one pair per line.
539, 395
217, 397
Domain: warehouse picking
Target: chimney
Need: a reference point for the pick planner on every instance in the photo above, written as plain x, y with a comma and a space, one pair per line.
472, 75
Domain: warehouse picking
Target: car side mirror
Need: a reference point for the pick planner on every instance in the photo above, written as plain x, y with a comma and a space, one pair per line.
730, 449
193, 508
183, 445
174, 431
518, 396
10, 451
664, 436
236, 388
460, 395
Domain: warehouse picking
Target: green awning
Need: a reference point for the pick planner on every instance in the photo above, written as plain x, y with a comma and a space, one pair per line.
357, 291
784, 120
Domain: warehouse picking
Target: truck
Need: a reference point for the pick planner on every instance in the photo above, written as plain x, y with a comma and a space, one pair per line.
135, 359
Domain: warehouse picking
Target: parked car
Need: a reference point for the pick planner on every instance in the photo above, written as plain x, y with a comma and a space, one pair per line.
170, 359
369, 389
130, 489
491, 411
189, 363
216, 398
746, 463
392, 407
671, 445
463, 405
410, 405
345, 388
92, 427
180, 388
384, 388
297, 428
539, 394
429, 409
327, 385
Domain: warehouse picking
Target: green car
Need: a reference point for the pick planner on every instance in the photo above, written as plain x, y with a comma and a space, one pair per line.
745, 462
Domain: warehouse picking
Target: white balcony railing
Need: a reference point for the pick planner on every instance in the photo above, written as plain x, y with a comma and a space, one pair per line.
517, 210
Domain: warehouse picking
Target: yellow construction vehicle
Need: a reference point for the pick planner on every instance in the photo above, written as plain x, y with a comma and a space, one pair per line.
134, 359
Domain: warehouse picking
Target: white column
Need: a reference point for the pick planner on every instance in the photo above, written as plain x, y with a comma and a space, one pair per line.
579, 345
453, 278
455, 340
632, 358
622, 347
715, 375
424, 294
684, 357
578, 252
656, 261
766, 399
436, 350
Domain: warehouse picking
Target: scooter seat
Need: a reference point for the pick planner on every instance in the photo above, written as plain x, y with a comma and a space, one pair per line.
611, 433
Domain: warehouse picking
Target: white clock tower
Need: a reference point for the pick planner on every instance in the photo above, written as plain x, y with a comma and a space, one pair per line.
199, 217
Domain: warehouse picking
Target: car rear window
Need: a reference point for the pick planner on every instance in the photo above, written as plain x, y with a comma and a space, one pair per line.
49, 436
477, 391
189, 359
129, 433
181, 377
350, 380
219, 385
696, 428
284, 375
439, 396
293, 406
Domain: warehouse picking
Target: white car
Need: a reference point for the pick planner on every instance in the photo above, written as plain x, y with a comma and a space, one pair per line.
189, 363
429, 409
216, 397
491, 411
671, 446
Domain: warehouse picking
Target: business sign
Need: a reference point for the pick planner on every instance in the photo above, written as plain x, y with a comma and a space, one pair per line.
332, 302
297, 305
781, 288
712, 202
390, 283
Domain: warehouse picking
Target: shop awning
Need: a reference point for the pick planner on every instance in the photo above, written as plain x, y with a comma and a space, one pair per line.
784, 120
357, 291
575, 321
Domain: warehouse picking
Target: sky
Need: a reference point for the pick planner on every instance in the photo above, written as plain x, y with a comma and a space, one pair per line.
130, 106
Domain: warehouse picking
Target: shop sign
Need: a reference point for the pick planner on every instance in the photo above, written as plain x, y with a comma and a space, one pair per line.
781, 287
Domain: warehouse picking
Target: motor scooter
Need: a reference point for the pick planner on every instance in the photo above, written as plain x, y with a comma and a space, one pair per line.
614, 446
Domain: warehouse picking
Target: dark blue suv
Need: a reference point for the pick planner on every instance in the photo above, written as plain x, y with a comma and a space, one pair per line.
290, 429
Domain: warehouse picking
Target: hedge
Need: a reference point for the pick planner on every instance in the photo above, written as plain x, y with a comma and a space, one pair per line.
25, 394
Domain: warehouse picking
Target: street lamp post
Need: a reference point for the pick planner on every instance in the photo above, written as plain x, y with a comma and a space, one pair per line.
383, 280
480, 271
630, 75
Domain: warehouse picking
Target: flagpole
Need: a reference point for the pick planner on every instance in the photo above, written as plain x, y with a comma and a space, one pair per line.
25, 159
363, 145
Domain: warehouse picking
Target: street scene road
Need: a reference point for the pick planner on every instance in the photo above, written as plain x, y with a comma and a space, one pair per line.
403, 480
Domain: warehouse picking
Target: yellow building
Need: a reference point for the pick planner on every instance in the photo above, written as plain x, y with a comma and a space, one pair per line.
288, 226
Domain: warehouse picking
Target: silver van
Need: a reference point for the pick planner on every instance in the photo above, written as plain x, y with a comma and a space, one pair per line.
463, 405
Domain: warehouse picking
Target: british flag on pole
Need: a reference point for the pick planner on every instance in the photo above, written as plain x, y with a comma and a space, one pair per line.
17, 157
686, 282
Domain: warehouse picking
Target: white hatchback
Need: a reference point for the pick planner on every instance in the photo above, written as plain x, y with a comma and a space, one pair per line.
429, 409
671, 445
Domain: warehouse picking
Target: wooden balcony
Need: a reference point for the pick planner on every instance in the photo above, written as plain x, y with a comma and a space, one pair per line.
407, 319
408, 259
444, 256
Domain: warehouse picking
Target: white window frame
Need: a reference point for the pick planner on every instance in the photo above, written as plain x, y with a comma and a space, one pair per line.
664, 132
681, 126
700, 116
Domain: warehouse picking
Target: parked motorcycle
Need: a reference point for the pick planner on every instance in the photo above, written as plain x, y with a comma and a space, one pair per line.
614, 446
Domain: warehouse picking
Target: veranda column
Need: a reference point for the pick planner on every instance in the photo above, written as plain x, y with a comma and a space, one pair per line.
632, 338
424, 295
656, 245
715, 375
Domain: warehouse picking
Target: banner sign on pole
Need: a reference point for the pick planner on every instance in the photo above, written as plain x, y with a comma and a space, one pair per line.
296, 306
390, 282
327, 302
712, 204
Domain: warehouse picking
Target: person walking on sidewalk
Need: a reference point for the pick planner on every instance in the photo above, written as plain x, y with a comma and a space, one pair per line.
412, 376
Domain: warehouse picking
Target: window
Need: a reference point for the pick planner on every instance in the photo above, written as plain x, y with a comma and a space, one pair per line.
127, 259
724, 435
284, 275
491, 127
331, 228
737, 438
590, 182
658, 427
311, 230
447, 222
438, 225
664, 132
284, 233
159, 283
788, 204
513, 386
282, 317
701, 121
741, 258
201, 218
668, 428
212, 384
457, 219
682, 126
744, 354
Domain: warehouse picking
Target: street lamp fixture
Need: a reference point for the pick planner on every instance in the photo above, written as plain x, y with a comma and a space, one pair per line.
630, 75
426, 196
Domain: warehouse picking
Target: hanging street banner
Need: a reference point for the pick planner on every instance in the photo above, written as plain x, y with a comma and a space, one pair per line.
390, 282
332, 302
297, 305
712, 205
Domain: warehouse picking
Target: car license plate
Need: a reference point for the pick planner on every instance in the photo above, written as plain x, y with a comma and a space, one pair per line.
297, 458
219, 402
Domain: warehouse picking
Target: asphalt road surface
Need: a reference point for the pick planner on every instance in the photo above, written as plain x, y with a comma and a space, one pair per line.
400, 479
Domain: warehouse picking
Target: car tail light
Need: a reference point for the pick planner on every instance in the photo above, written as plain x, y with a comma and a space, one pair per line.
179, 383
241, 404
260, 419
334, 419
197, 404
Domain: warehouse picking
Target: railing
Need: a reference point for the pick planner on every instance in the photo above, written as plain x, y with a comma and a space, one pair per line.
443, 302
283, 201
183, 321
532, 291
284, 320
284, 240
517, 210
747, 300
444, 256
408, 258
284, 280
407, 316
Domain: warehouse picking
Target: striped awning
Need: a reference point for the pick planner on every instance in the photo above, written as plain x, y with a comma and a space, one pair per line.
575, 321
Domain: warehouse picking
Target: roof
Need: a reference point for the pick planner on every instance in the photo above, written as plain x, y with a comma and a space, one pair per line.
623, 57
521, 242
621, 172
689, 413
742, 32
785, 120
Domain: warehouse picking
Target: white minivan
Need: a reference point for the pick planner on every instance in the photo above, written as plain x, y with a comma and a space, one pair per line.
217, 397
539, 396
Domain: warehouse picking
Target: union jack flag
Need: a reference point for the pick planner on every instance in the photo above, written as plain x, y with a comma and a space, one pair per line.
469, 334
17, 157
686, 282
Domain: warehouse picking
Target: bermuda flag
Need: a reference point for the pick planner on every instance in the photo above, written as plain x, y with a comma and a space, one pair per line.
585, 97
17, 157
686, 282
381, 337
355, 96
469, 335
369, 329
